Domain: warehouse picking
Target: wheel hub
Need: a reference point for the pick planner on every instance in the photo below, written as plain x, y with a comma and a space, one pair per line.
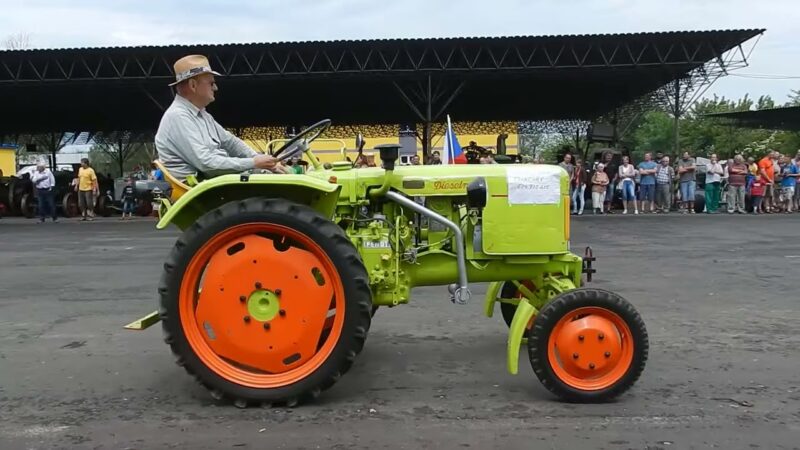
263, 305
589, 347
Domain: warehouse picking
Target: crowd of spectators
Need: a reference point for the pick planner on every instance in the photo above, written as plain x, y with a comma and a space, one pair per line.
658, 186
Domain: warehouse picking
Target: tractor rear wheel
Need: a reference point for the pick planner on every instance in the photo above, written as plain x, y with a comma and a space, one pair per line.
69, 205
265, 301
588, 345
27, 206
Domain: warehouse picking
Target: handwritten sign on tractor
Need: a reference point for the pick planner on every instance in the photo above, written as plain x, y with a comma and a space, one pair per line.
534, 185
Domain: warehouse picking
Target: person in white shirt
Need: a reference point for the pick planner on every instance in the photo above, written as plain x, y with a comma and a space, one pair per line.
189, 141
44, 182
627, 175
714, 173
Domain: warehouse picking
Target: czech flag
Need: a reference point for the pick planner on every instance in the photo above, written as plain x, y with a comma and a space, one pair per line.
452, 153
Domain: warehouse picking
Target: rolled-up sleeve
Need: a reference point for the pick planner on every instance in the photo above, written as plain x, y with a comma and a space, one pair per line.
187, 139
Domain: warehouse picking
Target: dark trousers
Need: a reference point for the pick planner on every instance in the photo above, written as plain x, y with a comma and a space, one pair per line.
47, 206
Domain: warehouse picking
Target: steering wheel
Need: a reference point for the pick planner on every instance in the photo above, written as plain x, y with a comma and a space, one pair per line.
295, 147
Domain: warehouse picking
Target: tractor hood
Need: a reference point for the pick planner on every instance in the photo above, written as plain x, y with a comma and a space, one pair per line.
527, 183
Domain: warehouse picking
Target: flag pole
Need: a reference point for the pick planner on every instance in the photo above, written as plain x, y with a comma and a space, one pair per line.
450, 154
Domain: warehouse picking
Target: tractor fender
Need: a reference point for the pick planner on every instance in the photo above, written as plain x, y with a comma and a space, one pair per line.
525, 311
491, 297
212, 193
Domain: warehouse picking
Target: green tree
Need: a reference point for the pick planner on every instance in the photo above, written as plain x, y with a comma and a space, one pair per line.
794, 98
653, 134
122, 151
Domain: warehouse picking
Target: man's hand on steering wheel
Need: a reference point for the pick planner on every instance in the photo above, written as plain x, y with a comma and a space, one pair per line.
265, 162
299, 144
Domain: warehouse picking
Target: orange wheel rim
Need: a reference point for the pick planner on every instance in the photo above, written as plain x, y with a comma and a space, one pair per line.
590, 348
262, 305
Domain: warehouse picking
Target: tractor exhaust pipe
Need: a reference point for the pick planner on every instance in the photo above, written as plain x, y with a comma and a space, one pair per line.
460, 293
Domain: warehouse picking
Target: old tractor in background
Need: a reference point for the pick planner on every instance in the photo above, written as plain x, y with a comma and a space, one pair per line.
19, 196
267, 295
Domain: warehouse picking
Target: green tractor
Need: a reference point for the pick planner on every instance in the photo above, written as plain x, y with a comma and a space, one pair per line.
268, 295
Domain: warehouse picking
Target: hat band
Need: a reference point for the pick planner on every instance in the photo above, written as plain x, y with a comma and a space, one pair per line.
192, 72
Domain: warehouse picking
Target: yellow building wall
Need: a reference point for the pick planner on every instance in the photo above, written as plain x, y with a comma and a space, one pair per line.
330, 150
8, 161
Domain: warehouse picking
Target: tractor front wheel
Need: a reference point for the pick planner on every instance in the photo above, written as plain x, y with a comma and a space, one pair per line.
588, 345
510, 291
265, 301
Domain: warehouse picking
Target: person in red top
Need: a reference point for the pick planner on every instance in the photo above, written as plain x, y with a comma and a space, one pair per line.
766, 169
578, 182
757, 192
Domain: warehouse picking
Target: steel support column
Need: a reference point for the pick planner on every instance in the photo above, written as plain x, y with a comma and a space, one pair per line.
677, 115
429, 109
426, 145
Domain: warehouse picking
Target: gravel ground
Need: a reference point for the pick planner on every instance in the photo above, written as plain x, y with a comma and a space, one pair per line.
718, 295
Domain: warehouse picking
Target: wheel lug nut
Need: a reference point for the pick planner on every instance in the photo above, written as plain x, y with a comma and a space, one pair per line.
278, 292
591, 366
258, 285
580, 338
608, 354
282, 312
601, 336
246, 319
242, 298
266, 326
575, 356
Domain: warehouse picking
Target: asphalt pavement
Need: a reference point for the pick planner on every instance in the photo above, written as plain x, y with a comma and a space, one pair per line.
719, 296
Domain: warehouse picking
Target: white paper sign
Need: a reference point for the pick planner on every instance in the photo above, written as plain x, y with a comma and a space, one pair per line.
533, 185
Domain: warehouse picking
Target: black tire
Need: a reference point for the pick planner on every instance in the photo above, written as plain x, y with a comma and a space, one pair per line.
144, 208
699, 202
12, 197
333, 241
104, 203
27, 206
563, 304
69, 205
508, 310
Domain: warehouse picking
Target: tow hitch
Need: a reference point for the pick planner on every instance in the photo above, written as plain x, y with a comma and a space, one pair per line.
588, 259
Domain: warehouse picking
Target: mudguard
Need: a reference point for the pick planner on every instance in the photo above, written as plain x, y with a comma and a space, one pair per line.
515, 334
209, 194
518, 325
491, 297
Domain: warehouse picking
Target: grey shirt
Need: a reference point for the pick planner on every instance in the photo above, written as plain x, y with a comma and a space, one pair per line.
687, 176
569, 167
189, 140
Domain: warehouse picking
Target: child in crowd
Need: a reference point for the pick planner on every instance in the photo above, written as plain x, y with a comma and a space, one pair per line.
599, 183
757, 193
128, 199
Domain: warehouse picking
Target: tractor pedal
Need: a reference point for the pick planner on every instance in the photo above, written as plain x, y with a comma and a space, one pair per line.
144, 323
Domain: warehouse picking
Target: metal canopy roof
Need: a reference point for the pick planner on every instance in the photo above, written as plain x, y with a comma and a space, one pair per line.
786, 118
356, 82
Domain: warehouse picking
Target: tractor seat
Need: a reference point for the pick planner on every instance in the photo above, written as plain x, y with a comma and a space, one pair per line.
178, 187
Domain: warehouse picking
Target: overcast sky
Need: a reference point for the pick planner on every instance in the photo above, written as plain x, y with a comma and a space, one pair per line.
88, 23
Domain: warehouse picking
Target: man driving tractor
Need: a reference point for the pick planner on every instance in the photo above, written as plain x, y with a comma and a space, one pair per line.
189, 141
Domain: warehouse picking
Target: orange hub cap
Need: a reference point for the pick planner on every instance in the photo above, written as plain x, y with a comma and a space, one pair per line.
590, 348
262, 305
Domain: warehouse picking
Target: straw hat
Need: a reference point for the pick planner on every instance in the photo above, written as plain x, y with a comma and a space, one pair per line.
191, 66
